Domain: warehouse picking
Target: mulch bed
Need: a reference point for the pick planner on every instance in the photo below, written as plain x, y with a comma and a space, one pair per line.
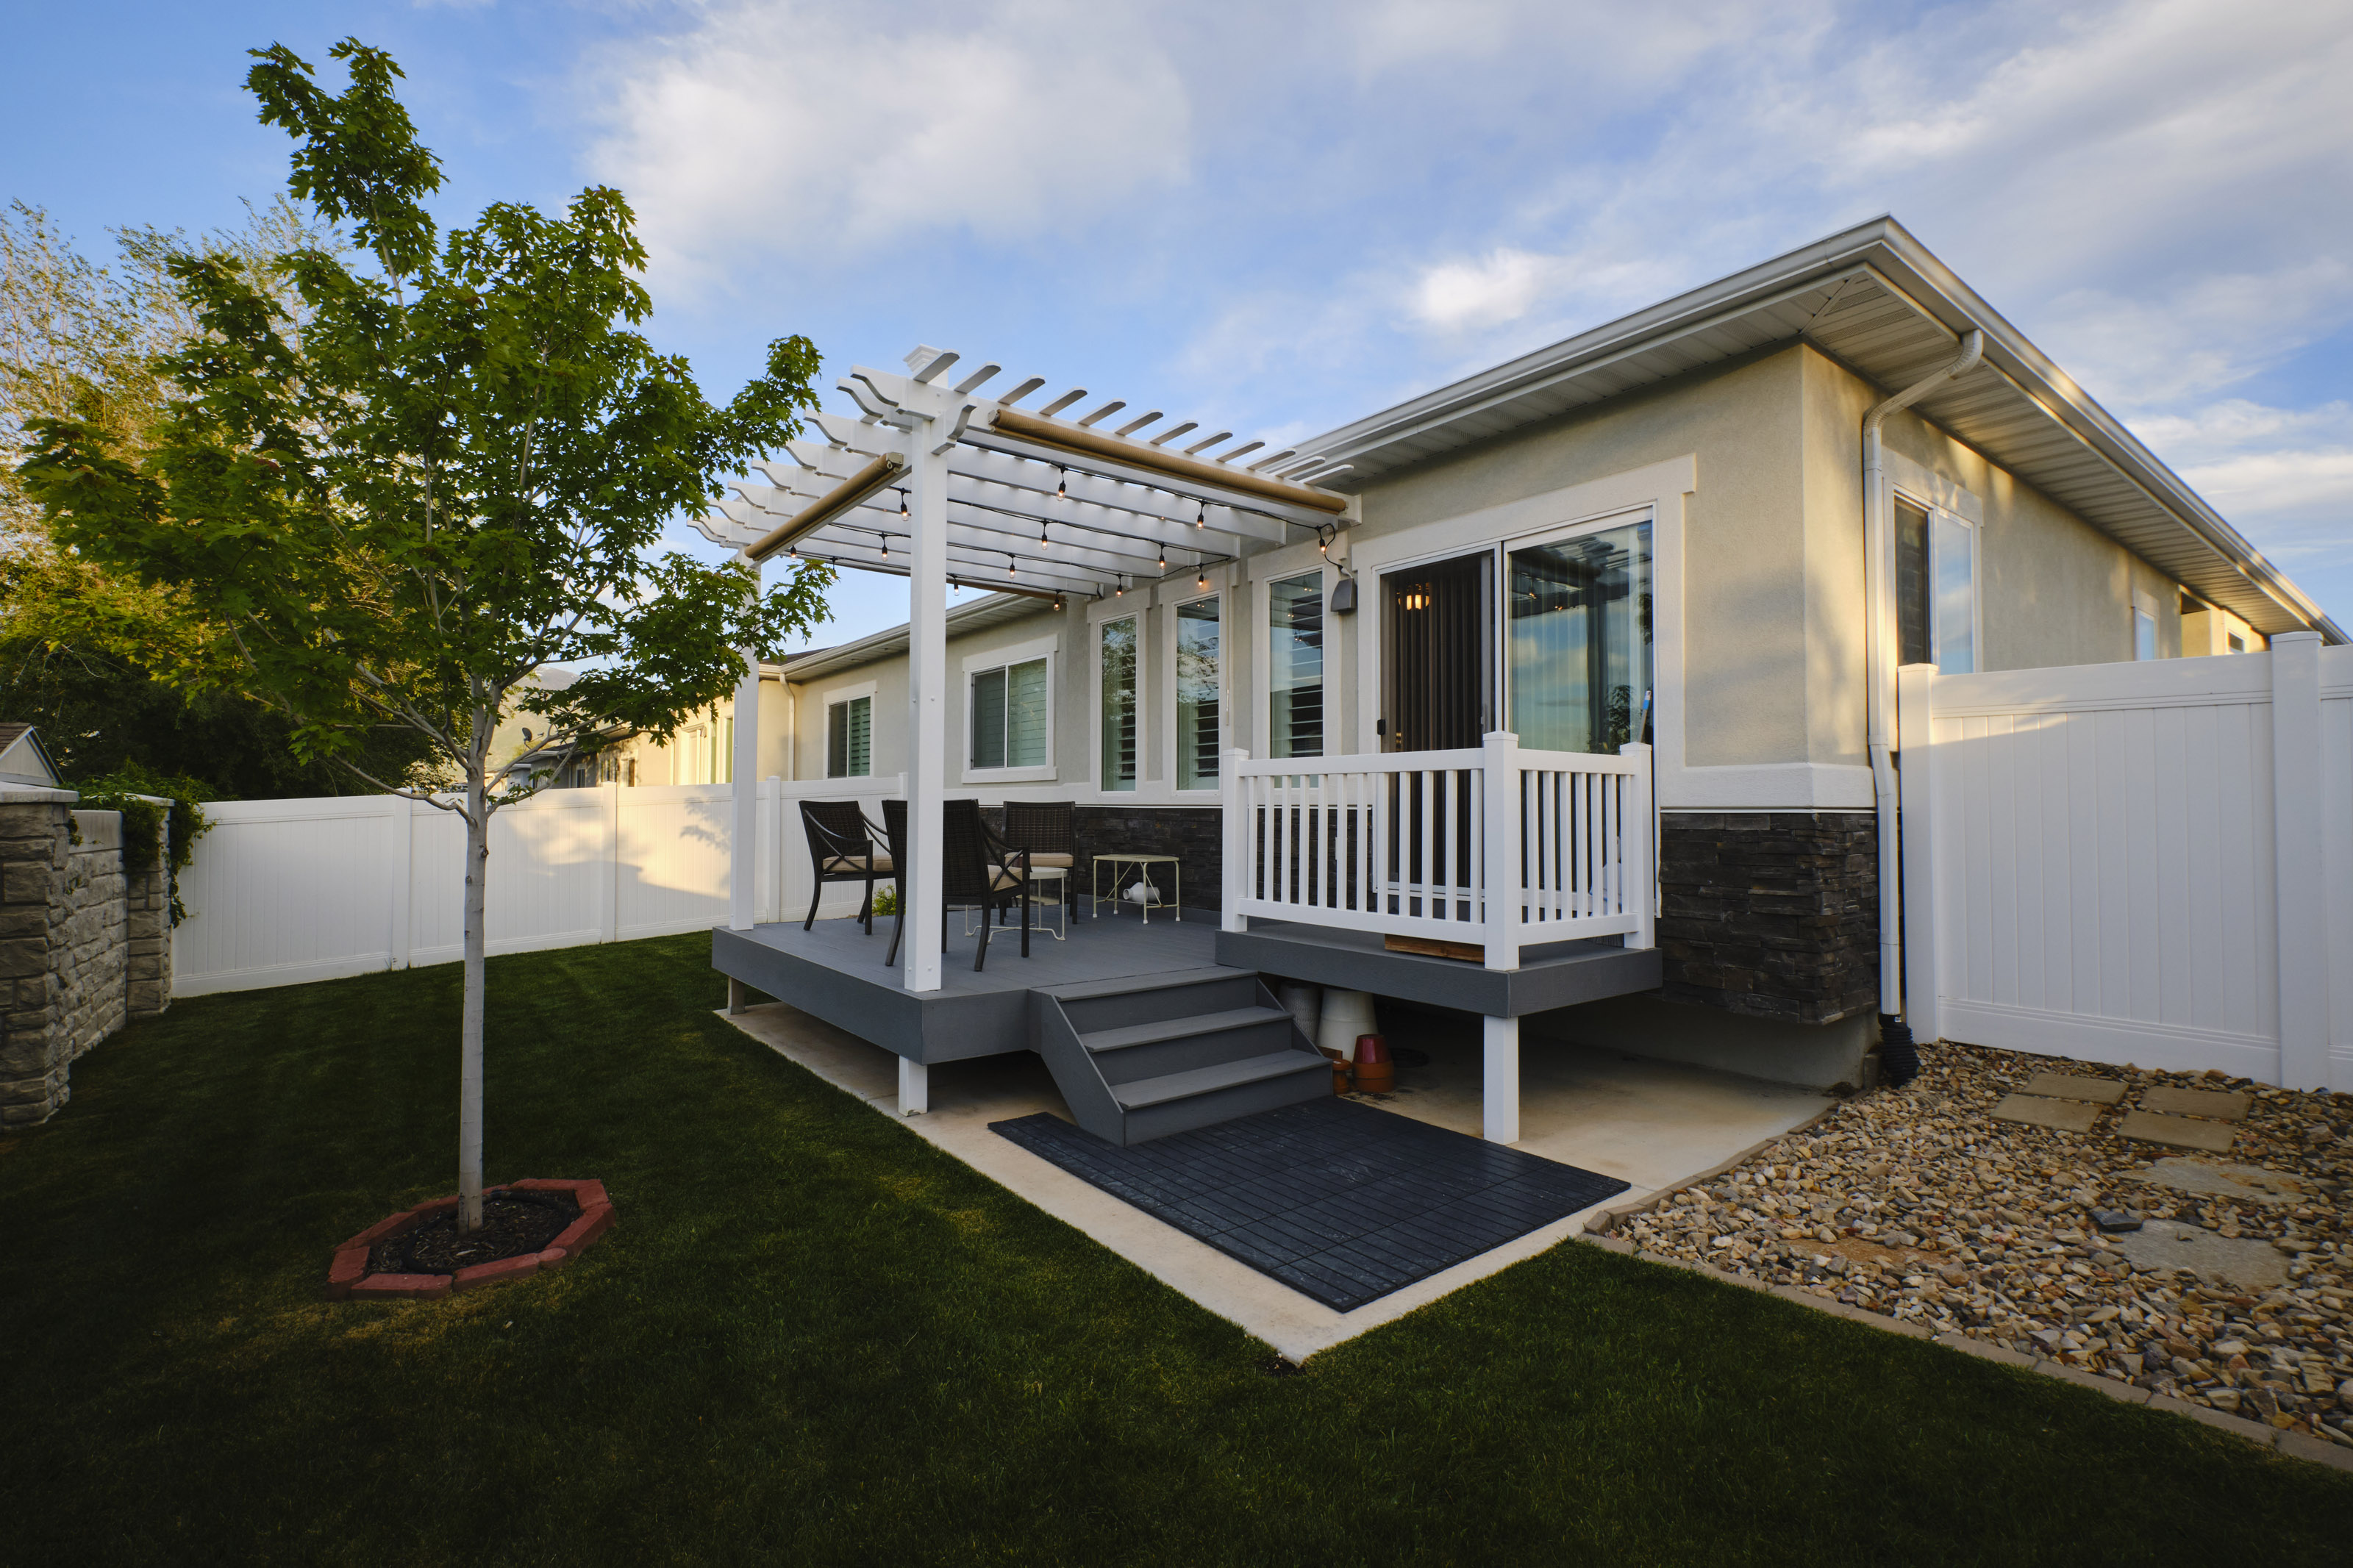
419, 1255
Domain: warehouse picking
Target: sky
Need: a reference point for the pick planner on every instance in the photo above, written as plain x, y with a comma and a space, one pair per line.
1276, 218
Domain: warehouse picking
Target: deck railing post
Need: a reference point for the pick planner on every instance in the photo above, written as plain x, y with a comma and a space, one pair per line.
1638, 835
1500, 871
1234, 879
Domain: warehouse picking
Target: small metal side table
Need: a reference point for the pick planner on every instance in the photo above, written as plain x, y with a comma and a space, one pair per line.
1122, 866
1060, 876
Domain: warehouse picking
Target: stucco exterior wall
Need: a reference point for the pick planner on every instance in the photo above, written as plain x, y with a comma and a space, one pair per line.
2052, 589
1746, 686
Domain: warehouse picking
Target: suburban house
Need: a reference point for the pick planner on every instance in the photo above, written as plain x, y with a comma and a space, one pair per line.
1588, 661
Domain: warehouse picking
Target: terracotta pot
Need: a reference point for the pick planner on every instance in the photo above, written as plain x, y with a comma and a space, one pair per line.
1375, 1072
1340, 1084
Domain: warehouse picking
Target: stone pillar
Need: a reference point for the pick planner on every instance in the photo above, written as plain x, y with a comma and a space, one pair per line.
92, 950
35, 848
148, 906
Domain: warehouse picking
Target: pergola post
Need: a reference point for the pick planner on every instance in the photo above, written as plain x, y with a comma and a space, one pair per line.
927, 700
744, 840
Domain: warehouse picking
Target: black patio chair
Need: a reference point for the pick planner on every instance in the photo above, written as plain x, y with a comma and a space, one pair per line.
842, 848
1047, 829
977, 870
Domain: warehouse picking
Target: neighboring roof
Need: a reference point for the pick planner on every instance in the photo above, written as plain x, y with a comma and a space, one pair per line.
23, 760
964, 619
1877, 299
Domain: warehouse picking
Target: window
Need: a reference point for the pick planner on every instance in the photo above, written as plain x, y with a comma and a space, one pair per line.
1581, 640
1936, 588
1295, 667
2238, 644
1116, 645
1196, 694
2144, 634
849, 738
1008, 716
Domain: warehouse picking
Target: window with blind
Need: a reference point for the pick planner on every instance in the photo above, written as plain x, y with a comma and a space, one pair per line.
1295, 665
1197, 630
1008, 716
1115, 655
849, 738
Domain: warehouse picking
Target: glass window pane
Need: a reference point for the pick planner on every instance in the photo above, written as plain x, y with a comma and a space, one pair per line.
2144, 634
861, 736
1197, 695
988, 719
1117, 650
1580, 641
1912, 584
1025, 715
1957, 598
1295, 673
837, 739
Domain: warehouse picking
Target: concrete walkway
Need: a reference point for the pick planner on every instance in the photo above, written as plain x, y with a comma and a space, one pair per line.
1655, 1124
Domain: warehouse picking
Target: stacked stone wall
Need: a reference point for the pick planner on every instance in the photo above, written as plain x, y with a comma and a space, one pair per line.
82, 949
1772, 914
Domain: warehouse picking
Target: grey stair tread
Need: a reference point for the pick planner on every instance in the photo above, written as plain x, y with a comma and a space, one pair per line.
1130, 985
1180, 1028
1225, 1075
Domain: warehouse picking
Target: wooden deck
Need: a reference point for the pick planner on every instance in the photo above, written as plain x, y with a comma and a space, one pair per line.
836, 972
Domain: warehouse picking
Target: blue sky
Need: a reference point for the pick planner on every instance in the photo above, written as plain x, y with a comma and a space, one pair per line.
1279, 218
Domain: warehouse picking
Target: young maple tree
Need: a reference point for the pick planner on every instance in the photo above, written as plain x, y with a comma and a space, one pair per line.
452, 477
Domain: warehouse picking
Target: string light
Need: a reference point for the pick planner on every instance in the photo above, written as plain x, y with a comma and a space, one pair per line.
903, 505
1121, 594
1164, 558
1057, 601
1202, 578
1062, 488
1201, 518
1011, 567
1042, 537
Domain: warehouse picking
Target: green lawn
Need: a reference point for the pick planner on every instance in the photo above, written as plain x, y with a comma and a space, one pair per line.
816, 1339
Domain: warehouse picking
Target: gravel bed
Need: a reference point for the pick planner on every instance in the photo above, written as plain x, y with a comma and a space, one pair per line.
1915, 1202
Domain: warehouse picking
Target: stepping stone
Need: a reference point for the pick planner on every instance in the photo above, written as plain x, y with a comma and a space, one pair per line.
2066, 1115
2240, 1184
2195, 1102
2182, 1131
2060, 1086
2243, 1262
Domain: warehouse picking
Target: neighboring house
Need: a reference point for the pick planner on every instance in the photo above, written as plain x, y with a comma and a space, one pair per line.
1670, 529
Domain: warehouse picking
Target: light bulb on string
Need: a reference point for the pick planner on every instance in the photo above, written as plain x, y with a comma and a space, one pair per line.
1012, 568
1201, 518
1043, 536
903, 505
1063, 486
1201, 580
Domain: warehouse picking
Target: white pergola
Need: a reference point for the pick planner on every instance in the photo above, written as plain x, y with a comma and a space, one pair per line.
940, 484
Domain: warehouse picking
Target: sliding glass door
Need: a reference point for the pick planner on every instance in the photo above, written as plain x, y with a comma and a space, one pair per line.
1578, 648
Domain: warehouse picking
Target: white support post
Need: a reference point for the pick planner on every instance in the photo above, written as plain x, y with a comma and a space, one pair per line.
2298, 824
928, 707
1239, 846
914, 1081
744, 829
1500, 1081
609, 886
1500, 871
773, 796
1916, 809
736, 990
403, 870
1638, 842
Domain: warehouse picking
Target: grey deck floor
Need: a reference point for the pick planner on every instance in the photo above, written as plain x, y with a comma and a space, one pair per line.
836, 972
1342, 1202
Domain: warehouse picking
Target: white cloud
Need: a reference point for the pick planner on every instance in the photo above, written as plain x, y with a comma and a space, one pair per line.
816, 130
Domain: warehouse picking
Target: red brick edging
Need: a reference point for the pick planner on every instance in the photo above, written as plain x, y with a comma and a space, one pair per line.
348, 1277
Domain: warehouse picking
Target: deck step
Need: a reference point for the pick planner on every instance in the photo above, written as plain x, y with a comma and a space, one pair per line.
1152, 1091
1103, 1040
1169, 1052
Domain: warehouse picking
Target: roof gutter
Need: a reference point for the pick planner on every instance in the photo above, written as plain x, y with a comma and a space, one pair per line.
1879, 658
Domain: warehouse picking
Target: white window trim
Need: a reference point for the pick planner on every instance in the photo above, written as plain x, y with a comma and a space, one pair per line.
1944, 500
1098, 617
1047, 648
1261, 603
1168, 618
826, 700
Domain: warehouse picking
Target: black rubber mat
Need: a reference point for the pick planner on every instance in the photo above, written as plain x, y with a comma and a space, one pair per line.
1341, 1202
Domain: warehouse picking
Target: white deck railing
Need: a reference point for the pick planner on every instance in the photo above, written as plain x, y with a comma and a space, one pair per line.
1411, 843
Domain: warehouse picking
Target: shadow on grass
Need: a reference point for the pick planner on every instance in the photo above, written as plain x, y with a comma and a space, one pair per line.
814, 1338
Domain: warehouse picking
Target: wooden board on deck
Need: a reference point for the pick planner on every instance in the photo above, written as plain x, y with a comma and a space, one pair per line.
1430, 947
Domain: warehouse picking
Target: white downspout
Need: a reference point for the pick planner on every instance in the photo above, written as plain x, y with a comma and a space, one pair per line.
1879, 554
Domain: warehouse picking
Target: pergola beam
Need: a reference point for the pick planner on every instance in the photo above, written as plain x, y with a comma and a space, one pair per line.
838, 499
1184, 465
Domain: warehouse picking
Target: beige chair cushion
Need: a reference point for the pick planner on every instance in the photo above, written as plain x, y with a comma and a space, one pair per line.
999, 878
841, 863
1064, 861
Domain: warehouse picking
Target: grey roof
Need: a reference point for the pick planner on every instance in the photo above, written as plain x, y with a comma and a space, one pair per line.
1877, 299
979, 615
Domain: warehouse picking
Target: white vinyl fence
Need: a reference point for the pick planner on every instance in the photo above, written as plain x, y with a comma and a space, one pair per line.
283, 891
2148, 863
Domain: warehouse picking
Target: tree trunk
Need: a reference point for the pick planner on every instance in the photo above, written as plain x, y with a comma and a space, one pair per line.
470, 1050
